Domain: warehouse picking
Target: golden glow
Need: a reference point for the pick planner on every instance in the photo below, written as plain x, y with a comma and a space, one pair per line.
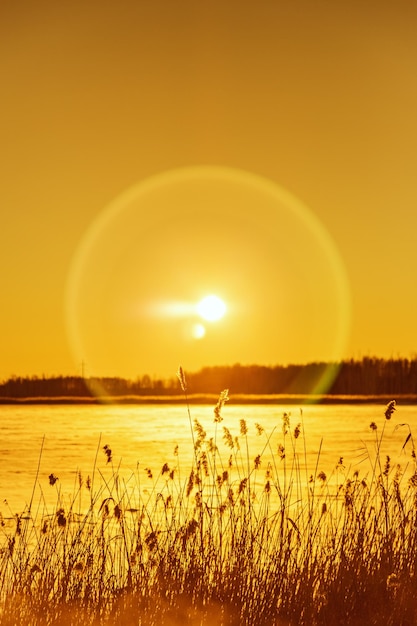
137, 278
211, 308
198, 331
319, 98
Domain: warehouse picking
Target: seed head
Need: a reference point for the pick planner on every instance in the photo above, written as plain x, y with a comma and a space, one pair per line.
227, 436
285, 423
204, 463
243, 428
322, 477
190, 483
390, 409
181, 378
339, 464
242, 485
223, 398
61, 518
108, 453
52, 479
201, 433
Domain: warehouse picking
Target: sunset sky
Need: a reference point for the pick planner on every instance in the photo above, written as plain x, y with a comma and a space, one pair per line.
154, 153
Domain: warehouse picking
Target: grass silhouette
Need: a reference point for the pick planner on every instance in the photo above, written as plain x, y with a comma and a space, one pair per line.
242, 538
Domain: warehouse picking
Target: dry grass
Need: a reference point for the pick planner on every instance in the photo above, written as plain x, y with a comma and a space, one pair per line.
243, 539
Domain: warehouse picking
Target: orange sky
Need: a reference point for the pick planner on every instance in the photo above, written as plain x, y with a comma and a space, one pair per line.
291, 132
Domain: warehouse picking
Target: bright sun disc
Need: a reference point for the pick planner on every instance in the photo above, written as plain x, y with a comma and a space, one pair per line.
211, 308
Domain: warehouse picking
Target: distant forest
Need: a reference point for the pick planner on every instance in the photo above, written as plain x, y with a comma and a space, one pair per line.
369, 376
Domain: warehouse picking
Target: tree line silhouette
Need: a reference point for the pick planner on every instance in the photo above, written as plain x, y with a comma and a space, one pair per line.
369, 376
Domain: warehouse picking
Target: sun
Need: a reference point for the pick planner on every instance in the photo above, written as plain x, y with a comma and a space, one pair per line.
211, 308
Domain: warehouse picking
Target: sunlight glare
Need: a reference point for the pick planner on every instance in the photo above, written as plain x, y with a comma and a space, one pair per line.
198, 331
211, 308
117, 310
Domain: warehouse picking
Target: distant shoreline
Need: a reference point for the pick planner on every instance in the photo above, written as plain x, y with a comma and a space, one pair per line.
212, 399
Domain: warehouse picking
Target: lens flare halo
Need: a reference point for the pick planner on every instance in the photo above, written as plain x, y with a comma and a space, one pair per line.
181, 233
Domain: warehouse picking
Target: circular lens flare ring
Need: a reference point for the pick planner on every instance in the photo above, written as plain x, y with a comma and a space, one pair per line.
98, 340
211, 308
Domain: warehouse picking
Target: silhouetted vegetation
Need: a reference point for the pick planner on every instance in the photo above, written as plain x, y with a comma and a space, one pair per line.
370, 376
246, 537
